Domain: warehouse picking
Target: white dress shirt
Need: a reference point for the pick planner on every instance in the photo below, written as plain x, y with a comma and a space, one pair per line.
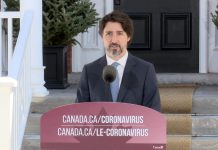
120, 68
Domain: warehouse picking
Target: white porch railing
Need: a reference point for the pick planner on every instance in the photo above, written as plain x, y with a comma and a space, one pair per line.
15, 89
6, 39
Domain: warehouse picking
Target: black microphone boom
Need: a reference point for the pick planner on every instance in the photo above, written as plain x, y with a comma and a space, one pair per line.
109, 74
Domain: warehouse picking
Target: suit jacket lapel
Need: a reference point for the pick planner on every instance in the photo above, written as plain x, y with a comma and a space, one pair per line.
106, 86
125, 80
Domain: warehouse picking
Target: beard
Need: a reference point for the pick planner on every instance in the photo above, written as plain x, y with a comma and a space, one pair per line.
114, 50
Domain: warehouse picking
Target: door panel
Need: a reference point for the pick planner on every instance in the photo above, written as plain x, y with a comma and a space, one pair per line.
166, 32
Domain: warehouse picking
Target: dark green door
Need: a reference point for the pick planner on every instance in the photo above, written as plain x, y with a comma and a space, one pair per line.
166, 32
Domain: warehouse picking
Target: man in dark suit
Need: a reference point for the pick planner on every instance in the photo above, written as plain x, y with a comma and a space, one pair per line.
136, 78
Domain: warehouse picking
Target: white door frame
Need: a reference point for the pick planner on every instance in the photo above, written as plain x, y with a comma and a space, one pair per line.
212, 45
203, 31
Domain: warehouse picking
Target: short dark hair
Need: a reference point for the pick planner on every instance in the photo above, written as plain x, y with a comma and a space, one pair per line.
120, 17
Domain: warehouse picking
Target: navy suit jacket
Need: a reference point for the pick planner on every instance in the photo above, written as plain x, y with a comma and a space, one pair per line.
138, 85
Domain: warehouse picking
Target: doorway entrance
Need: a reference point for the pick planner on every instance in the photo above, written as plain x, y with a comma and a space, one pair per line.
166, 33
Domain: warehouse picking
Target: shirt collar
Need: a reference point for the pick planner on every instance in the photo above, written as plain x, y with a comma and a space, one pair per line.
121, 61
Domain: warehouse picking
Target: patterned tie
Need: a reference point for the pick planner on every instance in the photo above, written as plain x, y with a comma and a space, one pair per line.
115, 84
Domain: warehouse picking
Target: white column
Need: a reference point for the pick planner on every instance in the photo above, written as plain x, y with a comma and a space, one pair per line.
203, 21
37, 68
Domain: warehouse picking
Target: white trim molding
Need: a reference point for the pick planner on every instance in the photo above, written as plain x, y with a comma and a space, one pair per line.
212, 39
203, 31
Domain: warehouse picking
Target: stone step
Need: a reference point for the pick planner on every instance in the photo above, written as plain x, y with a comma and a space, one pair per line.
188, 78
179, 142
32, 142
205, 125
33, 124
170, 78
177, 124
205, 143
177, 98
56, 97
204, 100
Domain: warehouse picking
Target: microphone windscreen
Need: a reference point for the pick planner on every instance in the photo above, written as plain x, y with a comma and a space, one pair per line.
109, 74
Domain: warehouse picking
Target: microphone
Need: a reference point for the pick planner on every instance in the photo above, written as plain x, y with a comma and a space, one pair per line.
109, 74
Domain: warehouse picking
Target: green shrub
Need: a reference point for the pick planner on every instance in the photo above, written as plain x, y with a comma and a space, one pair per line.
64, 19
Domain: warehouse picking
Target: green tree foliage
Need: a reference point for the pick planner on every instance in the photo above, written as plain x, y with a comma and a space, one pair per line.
64, 19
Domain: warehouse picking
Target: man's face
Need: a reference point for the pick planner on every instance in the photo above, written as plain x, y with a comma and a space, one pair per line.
115, 40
